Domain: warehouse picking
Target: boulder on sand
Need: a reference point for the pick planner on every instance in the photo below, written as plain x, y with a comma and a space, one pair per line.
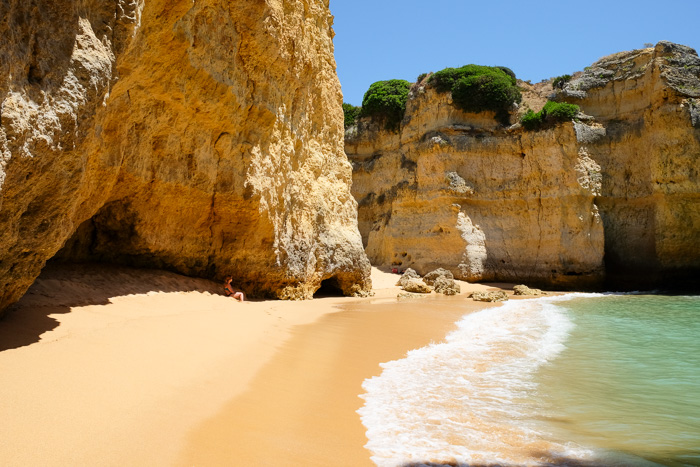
417, 286
498, 296
525, 290
408, 274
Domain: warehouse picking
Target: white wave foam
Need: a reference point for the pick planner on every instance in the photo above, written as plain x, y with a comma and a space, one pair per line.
466, 399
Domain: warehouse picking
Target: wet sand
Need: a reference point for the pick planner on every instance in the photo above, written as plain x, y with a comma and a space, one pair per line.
112, 366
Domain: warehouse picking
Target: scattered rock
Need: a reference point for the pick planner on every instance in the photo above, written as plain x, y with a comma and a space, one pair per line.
499, 296
446, 286
525, 290
442, 281
410, 296
408, 274
434, 275
417, 286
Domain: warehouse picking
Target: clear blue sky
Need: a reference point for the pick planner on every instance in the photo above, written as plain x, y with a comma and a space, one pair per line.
400, 39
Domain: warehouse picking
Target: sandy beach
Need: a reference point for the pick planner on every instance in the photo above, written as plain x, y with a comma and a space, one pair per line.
105, 365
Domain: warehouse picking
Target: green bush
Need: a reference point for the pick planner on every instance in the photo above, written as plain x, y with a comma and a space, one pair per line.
507, 71
560, 81
351, 113
552, 112
478, 88
421, 77
477, 93
560, 111
531, 120
386, 100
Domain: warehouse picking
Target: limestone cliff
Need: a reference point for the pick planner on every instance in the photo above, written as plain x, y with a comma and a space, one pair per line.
204, 137
613, 195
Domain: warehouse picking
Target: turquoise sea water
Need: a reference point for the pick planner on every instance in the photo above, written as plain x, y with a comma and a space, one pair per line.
628, 380
572, 380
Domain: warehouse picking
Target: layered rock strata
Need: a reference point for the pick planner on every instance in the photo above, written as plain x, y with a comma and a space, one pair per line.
203, 137
612, 195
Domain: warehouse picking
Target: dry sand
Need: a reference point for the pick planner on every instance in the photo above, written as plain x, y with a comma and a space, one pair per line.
113, 366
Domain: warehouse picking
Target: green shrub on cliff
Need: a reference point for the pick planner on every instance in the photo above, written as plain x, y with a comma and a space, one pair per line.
560, 81
351, 113
531, 120
478, 88
386, 100
560, 111
507, 71
552, 112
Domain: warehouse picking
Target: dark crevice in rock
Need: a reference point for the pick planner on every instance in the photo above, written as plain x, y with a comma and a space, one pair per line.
329, 288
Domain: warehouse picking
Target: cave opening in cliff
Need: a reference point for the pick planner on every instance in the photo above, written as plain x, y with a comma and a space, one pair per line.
102, 238
329, 288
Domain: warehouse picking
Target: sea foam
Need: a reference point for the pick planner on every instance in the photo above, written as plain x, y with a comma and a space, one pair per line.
466, 399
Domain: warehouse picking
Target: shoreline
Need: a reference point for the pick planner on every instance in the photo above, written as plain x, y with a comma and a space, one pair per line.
161, 369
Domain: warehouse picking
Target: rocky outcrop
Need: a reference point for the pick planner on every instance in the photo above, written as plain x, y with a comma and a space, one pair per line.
432, 276
497, 296
203, 137
454, 190
417, 286
446, 286
649, 158
408, 275
442, 281
612, 195
525, 290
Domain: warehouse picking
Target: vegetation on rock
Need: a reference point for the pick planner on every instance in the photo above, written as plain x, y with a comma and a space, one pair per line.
386, 100
560, 81
351, 113
478, 88
552, 112
507, 71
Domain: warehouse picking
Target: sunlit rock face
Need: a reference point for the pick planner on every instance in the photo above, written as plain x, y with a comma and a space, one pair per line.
614, 195
204, 137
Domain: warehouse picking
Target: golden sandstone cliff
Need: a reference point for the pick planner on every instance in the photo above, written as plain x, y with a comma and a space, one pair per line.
614, 195
204, 137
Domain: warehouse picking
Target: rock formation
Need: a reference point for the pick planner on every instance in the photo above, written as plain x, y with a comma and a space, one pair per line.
612, 195
203, 137
498, 296
525, 290
442, 281
417, 286
407, 276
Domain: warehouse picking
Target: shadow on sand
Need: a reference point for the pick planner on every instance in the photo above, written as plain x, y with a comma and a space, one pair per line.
61, 287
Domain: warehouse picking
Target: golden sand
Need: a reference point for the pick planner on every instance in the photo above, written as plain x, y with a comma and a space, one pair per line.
115, 366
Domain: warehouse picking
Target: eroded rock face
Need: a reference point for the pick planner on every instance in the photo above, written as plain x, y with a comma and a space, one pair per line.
567, 206
204, 137
453, 190
649, 159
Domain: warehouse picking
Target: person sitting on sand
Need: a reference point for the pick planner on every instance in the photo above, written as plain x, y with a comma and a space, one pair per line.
228, 290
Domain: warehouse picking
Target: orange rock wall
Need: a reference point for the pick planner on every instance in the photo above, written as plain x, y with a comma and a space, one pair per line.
204, 137
613, 195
